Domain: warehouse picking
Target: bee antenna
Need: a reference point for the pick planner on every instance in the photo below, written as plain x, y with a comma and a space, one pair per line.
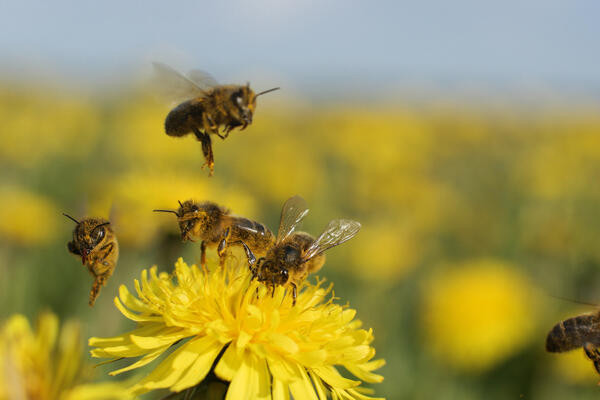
102, 224
575, 301
168, 211
71, 218
268, 91
180, 204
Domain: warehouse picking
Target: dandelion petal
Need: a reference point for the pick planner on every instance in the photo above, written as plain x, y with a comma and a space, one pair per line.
228, 365
280, 390
243, 385
208, 350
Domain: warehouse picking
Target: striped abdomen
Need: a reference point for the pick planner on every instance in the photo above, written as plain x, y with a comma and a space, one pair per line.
573, 333
180, 120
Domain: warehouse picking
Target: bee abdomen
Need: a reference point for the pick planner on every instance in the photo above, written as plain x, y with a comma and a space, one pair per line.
573, 333
177, 122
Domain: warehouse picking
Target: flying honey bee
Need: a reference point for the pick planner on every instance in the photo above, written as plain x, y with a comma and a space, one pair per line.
205, 106
95, 242
294, 255
580, 331
215, 226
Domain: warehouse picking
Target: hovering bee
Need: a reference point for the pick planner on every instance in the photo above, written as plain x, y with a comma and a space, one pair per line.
580, 331
95, 242
294, 255
206, 108
215, 226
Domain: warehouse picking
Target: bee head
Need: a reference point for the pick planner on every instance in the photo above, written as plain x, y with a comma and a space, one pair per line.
245, 101
271, 272
197, 219
89, 234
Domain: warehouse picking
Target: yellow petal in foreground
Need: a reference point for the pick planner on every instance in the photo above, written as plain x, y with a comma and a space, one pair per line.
45, 362
217, 322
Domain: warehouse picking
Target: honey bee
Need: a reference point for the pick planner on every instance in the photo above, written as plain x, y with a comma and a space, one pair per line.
580, 331
294, 255
206, 108
95, 242
215, 226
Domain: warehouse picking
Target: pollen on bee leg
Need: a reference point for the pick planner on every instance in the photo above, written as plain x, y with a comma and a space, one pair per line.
96, 286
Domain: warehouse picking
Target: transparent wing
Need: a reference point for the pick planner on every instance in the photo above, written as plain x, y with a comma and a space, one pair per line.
337, 232
293, 211
174, 87
202, 79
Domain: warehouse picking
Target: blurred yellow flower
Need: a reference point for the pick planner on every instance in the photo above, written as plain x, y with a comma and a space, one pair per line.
477, 313
574, 367
264, 346
139, 135
25, 217
379, 141
45, 364
41, 123
273, 159
390, 249
566, 158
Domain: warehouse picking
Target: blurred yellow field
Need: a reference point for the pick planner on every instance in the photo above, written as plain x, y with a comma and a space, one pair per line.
472, 217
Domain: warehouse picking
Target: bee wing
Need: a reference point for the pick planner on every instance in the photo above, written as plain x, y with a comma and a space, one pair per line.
293, 211
337, 232
173, 86
202, 79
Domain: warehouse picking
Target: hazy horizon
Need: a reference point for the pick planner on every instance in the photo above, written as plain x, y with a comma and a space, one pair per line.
306, 43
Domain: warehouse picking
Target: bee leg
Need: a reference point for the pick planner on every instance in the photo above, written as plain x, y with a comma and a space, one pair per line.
204, 138
222, 136
294, 293
96, 286
273, 288
592, 352
251, 258
203, 254
223, 246
228, 129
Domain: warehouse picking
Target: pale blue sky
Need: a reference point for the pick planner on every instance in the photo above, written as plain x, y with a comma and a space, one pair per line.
537, 40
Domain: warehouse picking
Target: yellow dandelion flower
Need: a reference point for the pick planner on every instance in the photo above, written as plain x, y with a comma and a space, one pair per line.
20, 211
260, 343
45, 364
37, 124
478, 313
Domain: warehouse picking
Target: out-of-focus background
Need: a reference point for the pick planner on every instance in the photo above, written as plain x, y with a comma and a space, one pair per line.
464, 136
